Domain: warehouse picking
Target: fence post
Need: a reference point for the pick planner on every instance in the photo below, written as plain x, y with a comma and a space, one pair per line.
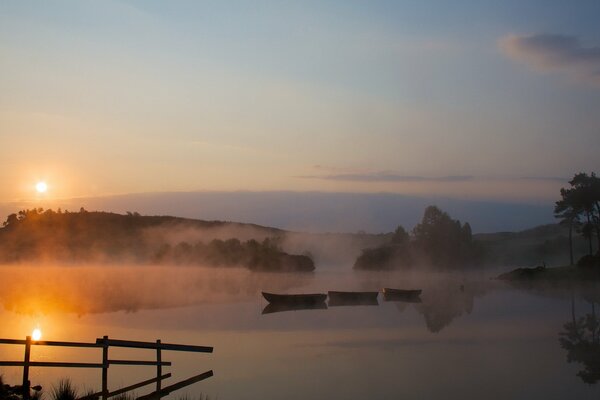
105, 368
26, 383
158, 367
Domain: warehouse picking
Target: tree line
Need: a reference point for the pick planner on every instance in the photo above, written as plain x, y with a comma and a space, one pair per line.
579, 209
100, 237
438, 241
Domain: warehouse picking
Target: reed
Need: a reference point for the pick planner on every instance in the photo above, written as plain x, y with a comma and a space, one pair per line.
64, 390
2, 389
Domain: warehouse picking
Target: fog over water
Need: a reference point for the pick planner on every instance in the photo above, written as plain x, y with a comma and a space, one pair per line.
470, 337
346, 199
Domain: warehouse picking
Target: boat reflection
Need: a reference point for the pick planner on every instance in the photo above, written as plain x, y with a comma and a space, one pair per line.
282, 307
408, 296
407, 300
337, 302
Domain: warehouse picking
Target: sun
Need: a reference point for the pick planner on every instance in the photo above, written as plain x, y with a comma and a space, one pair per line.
36, 334
41, 187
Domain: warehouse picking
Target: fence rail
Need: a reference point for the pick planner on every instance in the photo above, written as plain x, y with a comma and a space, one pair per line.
49, 343
105, 343
155, 345
49, 364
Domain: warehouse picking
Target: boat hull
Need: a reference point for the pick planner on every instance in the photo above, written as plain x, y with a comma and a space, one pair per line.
353, 298
312, 298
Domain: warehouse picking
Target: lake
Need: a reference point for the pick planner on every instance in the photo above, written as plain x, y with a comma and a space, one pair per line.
470, 337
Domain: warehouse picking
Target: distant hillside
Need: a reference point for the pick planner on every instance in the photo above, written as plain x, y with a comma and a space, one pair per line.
544, 243
314, 211
100, 237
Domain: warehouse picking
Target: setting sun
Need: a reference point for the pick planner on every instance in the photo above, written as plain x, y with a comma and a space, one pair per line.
36, 334
41, 187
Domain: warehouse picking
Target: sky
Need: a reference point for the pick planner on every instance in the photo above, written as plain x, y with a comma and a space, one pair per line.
473, 100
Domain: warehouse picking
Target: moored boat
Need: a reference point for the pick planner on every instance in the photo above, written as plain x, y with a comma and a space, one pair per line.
352, 298
312, 298
390, 294
352, 295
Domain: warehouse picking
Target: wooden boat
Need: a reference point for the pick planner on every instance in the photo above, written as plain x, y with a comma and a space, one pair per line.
353, 298
412, 295
282, 307
312, 298
352, 295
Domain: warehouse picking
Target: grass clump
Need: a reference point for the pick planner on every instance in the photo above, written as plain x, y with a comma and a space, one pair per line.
64, 391
2, 389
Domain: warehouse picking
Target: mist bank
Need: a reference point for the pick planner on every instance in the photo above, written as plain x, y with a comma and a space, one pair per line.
108, 289
311, 211
47, 236
90, 289
83, 237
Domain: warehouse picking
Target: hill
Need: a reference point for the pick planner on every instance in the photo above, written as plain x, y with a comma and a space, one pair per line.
100, 237
542, 244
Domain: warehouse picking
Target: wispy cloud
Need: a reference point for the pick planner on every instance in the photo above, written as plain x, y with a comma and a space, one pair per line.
387, 177
545, 178
339, 174
560, 53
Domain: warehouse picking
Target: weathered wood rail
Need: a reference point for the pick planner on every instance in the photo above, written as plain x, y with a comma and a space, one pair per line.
105, 343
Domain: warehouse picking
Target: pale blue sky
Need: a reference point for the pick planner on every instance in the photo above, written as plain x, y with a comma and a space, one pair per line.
105, 97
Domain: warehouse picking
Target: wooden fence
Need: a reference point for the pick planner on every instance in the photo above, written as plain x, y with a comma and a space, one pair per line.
105, 343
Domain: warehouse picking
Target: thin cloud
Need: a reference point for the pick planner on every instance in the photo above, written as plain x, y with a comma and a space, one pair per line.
545, 178
555, 53
387, 177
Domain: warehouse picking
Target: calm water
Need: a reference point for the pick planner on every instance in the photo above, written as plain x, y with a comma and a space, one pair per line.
482, 340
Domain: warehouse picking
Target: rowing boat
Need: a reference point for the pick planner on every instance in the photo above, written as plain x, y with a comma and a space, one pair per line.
352, 296
312, 298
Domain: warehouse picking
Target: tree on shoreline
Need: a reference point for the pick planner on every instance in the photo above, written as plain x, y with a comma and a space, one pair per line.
579, 207
569, 217
445, 241
438, 241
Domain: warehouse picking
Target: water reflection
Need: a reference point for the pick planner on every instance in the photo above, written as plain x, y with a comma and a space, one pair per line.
338, 302
282, 307
446, 301
442, 301
580, 336
581, 339
472, 340
91, 290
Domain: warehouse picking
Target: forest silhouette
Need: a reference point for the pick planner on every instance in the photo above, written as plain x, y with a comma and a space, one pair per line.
100, 237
